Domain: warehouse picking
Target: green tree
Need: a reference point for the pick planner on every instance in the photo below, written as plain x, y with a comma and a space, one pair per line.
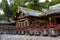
0, 5
20, 2
14, 6
7, 12
33, 5
35, 1
53, 2
47, 4
1, 16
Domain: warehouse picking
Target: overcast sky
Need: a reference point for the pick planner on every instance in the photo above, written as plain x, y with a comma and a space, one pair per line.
0, 0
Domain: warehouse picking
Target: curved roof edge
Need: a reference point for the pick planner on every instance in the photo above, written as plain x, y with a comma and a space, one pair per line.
54, 9
31, 12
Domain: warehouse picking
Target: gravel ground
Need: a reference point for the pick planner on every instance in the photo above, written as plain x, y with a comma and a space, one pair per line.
23, 37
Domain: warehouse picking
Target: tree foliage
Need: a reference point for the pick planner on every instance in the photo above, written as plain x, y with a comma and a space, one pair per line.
0, 5
33, 5
53, 2
7, 12
38, 6
14, 6
1, 16
20, 2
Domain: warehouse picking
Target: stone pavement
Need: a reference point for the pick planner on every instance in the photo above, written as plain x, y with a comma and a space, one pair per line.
22, 37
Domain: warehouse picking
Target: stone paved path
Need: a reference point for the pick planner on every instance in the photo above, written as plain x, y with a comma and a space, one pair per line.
22, 37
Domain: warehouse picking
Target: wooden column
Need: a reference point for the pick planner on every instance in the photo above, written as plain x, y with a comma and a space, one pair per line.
50, 21
17, 26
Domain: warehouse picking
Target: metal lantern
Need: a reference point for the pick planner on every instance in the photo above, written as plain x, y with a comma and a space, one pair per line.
31, 32
19, 31
53, 32
45, 31
26, 31
22, 32
37, 32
